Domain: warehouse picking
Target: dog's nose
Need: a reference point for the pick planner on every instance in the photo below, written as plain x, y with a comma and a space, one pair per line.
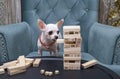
56, 37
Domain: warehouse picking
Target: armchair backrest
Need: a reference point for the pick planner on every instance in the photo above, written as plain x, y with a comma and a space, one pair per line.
74, 12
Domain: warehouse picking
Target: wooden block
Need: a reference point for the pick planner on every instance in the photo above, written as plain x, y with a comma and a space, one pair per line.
2, 71
29, 59
21, 60
72, 58
75, 50
50, 73
89, 64
2, 67
11, 63
71, 28
56, 72
71, 55
42, 71
46, 73
17, 67
36, 62
29, 62
60, 40
73, 68
13, 72
72, 64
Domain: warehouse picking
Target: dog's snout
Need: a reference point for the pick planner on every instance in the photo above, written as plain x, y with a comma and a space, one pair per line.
56, 37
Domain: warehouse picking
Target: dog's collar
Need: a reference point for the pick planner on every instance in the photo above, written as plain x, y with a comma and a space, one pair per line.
45, 45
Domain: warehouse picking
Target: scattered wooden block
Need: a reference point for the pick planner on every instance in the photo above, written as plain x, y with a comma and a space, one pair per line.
56, 72
46, 73
11, 63
13, 72
50, 73
89, 64
21, 60
17, 67
29, 62
42, 71
36, 62
2, 71
2, 67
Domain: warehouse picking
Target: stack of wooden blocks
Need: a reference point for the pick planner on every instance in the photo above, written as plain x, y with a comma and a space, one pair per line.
20, 65
72, 47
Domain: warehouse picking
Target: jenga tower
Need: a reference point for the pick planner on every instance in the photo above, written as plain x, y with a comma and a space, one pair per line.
72, 47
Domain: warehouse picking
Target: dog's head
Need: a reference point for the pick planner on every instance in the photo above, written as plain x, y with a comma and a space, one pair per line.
51, 31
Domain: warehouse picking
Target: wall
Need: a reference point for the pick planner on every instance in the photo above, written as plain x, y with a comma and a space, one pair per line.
10, 11
110, 12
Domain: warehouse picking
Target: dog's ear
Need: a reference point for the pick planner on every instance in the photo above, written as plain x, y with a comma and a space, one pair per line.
59, 23
41, 24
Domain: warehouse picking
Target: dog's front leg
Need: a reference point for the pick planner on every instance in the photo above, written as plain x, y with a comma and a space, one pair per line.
40, 51
55, 52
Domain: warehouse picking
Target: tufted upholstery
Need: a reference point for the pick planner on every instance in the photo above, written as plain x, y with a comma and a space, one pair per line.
74, 12
100, 41
3, 54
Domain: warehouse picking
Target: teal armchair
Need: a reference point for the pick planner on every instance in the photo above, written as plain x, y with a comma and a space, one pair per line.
100, 42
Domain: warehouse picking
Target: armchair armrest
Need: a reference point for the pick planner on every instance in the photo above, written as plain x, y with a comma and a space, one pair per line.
102, 43
15, 39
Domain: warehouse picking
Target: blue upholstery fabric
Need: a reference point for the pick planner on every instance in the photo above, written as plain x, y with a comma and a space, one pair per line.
99, 41
116, 55
104, 38
74, 12
3, 49
18, 38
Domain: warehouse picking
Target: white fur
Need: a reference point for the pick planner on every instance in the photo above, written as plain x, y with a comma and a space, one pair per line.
48, 39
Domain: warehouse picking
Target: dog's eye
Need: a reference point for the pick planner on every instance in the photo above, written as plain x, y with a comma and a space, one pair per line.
57, 32
50, 32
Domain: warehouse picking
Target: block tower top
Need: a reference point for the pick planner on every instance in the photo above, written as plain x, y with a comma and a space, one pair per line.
71, 32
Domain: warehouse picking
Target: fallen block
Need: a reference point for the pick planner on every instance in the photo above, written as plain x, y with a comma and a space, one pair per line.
8, 64
13, 72
36, 62
29, 59
2, 67
17, 67
2, 71
21, 60
29, 62
89, 64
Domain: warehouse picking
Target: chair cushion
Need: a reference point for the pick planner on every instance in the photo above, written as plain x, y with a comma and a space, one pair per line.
45, 53
86, 56
102, 42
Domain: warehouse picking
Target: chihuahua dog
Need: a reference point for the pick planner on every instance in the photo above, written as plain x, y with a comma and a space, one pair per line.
47, 39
